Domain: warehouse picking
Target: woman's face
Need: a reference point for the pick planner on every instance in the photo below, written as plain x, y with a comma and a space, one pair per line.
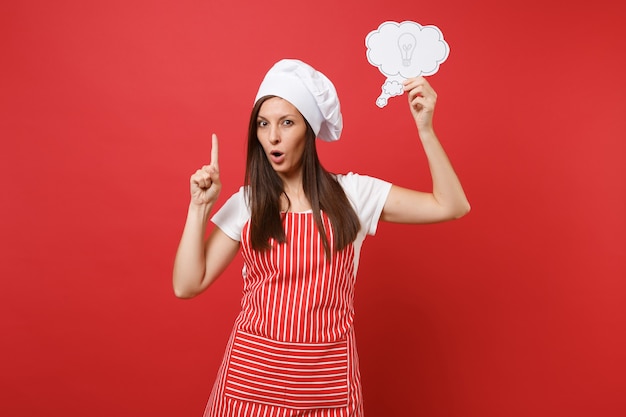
281, 130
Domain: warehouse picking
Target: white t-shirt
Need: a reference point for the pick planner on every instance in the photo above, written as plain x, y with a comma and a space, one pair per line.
366, 194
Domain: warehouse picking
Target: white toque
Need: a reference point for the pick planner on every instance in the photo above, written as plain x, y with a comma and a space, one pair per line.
310, 91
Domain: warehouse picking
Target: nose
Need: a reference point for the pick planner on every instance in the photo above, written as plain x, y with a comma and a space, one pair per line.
274, 136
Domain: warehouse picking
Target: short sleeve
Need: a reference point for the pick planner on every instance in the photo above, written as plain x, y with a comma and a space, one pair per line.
368, 196
233, 215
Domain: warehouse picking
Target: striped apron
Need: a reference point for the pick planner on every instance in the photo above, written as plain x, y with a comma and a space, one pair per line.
292, 351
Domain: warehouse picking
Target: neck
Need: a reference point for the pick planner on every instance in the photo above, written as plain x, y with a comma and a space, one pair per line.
294, 199
293, 184
294, 190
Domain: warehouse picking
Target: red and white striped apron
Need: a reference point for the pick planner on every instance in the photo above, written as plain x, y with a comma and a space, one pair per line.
292, 351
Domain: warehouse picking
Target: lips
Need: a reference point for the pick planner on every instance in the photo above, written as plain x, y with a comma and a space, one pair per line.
277, 157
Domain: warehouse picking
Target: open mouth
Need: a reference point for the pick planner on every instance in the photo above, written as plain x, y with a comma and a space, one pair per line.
277, 157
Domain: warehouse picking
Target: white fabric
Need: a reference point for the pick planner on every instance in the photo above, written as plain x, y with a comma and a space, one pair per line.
310, 91
366, 194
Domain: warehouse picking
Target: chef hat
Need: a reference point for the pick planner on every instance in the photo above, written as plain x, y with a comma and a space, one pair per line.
310, 91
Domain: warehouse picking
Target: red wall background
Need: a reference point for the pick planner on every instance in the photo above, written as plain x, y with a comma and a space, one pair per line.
518, 309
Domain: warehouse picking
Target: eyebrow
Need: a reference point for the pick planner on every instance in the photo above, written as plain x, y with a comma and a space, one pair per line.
285, 116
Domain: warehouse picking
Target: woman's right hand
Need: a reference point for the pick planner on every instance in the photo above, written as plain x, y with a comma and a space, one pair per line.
205, 183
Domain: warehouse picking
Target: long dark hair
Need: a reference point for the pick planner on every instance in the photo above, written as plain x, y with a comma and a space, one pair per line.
265, 188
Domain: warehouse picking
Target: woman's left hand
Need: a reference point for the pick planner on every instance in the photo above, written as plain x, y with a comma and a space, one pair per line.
422, 100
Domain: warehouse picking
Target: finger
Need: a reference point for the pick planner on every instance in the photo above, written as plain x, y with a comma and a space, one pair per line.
424, 91
214, 151
210, 171
197, 177
418, 102
415, 92
208, 177
202, 178
411, 83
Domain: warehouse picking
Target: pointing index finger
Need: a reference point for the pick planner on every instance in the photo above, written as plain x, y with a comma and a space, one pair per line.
214, 150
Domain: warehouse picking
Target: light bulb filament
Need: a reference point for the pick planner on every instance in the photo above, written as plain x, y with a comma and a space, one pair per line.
406, 44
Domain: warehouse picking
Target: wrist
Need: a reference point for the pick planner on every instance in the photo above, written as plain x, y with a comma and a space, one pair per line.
426, 133
199, 210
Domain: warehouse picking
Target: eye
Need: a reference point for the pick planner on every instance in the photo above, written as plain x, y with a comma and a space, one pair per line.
288, 122
261, 123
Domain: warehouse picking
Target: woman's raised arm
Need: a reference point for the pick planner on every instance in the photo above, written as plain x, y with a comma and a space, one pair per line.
447, 200
198, 261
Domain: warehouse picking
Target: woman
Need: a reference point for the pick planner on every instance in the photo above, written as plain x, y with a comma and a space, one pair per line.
299, 228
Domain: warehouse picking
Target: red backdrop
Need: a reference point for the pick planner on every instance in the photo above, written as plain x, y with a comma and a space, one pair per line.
107, 107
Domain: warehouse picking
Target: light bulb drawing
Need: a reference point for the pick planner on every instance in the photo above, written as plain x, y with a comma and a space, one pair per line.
406, 44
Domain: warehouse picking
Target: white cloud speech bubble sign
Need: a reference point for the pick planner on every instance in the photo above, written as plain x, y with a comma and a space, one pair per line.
404, 50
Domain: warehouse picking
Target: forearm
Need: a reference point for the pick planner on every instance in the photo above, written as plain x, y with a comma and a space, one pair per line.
447, 189
190, 261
